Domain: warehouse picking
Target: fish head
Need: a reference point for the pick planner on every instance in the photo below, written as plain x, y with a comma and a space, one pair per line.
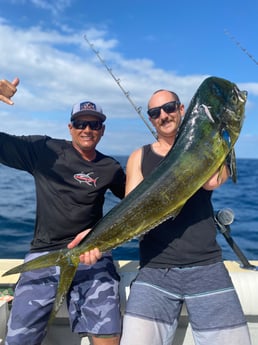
226, 106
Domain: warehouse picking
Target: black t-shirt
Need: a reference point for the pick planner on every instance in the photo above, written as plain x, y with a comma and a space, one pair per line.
69, 190
189, 239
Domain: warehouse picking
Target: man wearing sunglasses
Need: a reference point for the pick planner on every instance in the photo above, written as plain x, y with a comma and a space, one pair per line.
180, 260
71, 179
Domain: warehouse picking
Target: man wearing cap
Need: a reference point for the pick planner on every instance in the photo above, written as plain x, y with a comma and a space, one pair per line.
71, 179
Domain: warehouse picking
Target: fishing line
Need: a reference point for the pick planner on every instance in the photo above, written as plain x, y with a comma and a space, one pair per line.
126, 93
240, 46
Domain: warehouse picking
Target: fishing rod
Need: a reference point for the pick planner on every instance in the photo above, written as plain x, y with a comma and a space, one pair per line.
240, 46
223, 218
126, 93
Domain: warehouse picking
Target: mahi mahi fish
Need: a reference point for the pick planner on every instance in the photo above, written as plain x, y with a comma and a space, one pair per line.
206, 138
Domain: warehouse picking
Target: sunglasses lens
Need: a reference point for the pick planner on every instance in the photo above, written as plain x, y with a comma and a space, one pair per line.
94, 125
170, 107
77, 124
154, 112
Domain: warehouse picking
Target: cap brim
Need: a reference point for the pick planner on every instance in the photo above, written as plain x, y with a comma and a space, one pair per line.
101, 116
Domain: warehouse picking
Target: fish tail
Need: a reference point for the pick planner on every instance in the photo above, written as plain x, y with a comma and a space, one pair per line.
46, 260
68, 264
67, 273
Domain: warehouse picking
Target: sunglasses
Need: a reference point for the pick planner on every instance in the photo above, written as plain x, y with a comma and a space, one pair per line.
169, 107
94, 125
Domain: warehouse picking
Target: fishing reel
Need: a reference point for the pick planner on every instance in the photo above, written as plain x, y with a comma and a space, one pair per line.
223, 218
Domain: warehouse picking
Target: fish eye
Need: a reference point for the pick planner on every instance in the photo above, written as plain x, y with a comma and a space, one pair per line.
234, 97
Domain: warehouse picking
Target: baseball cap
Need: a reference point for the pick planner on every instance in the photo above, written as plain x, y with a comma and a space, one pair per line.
87, 108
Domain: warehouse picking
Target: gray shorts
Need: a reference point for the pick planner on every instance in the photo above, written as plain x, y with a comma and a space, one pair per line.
92, 301
213, 307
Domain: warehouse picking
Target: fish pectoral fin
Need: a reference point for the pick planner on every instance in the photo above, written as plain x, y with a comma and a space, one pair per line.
67, 273
231, 163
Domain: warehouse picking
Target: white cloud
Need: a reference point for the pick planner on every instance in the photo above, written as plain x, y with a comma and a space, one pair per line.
251, 87
55, 7
58, 68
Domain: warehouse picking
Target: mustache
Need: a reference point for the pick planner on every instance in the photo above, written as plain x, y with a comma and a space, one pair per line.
167, 120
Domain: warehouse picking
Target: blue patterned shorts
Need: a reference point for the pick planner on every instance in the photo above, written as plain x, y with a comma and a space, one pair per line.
92, 302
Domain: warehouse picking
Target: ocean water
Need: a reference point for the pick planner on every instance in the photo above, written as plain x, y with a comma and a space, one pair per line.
17, 210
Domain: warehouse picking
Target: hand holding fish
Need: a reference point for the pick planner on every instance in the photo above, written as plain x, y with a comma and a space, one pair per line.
218, 178
89, 257
7, 90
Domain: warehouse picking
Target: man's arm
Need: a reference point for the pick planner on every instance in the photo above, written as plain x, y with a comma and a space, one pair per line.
7, 90
133, 171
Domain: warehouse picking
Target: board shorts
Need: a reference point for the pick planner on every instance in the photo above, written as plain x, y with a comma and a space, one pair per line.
213, 307
92, 302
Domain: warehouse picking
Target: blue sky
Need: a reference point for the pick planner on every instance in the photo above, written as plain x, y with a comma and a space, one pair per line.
148, 44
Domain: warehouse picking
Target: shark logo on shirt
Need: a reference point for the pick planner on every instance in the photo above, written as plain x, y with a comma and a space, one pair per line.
86, 178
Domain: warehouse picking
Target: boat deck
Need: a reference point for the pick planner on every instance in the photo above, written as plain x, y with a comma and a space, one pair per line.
245, 282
